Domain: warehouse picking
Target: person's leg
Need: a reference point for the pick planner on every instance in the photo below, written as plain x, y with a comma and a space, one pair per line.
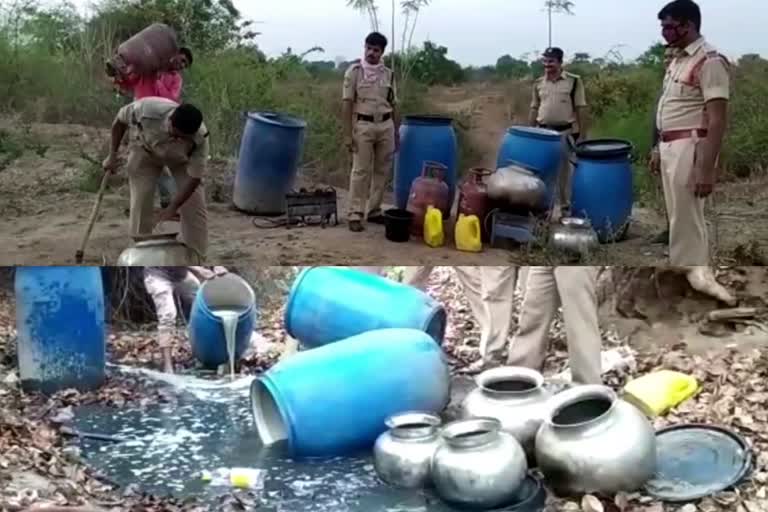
498, 297
540, 303
362, 174
577, 287
142, 171
418, 277
688, 232
194, 217
382, 169
161, 292
186, 292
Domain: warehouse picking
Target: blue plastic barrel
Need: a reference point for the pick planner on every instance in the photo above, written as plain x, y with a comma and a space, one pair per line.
602, 186
424, 139
335, 399
61, 328
206, 330
539, 150
328, 304
270, 151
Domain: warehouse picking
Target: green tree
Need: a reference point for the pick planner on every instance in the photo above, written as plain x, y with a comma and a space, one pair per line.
653, 57
206, 25
510, 67
430, 65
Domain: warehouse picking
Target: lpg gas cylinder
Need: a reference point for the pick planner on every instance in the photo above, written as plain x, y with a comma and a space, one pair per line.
430, 189
147, 52
473, 196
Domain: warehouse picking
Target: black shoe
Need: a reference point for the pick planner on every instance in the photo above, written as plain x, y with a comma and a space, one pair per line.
376, 217
356, 226
661, 238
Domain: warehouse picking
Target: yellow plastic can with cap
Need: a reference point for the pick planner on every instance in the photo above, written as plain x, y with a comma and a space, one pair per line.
467, 233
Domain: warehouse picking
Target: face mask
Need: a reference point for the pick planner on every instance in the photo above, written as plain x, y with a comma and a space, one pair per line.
674, 35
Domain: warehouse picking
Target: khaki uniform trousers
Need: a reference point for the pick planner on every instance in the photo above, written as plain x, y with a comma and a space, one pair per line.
547, 288
490, 292
164, 293
371, 166
143, 171
688, 233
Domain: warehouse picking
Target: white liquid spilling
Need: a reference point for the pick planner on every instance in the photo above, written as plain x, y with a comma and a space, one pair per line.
229, 320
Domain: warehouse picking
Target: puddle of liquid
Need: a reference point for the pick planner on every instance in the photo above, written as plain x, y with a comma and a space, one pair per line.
168, 448
229, 320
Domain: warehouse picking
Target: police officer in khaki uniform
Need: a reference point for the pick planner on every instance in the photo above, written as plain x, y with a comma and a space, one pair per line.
559, 103
371, 131
670, 52
691, 118
546, 289
164, 133
490, 292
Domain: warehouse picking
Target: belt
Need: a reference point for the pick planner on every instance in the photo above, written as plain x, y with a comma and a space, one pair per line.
372, 119
557, 127
673, 135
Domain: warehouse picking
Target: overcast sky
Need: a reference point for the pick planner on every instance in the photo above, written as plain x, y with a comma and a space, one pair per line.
479, 34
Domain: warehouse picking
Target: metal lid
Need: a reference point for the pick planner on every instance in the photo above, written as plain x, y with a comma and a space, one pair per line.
531, 497
694, 461
604, 148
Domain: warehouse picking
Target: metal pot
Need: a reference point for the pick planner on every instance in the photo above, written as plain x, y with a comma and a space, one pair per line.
402, 455
478, 465
594, 442
574, 235
516, 185
158, 250
514, 396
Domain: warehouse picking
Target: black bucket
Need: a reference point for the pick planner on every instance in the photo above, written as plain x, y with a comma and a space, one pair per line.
398, 225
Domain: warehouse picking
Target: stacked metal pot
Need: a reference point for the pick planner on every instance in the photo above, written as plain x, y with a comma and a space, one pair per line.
583, 440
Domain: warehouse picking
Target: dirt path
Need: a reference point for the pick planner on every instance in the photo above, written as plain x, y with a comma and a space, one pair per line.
43, 211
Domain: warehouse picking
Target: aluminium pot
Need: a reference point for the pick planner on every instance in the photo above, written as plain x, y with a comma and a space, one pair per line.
478, 466
594, 442
402, 455
574, 236
517, 186
513, 395
158, 250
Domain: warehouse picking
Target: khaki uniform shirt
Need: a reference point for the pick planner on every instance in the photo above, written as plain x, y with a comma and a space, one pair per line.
697, 75
149, 122
552, 99
369, 98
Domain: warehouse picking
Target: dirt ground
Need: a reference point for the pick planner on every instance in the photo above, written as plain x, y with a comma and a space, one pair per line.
44, 210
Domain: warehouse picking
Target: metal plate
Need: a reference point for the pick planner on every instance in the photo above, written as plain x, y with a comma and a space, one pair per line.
532, 497
695, 461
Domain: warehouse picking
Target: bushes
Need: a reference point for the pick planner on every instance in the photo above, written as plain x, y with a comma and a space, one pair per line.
622, 103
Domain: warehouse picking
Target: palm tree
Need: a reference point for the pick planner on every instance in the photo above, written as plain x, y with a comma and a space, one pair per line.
557, 7
368, 7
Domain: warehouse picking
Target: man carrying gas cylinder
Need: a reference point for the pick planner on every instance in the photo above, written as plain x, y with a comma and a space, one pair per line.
371, 131
172, 288
559, 103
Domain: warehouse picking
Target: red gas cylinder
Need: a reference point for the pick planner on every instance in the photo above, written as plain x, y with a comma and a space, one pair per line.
430, 189
473, 196
147, 52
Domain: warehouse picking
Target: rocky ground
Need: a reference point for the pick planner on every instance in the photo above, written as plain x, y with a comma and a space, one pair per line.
36, 468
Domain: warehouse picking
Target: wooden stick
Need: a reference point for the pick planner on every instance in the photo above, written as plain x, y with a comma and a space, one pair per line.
724, 315
94, 213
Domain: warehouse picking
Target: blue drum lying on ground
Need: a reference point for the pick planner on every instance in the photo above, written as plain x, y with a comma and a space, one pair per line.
328, 304
270, 152
602, 187
537, 149
425, 139
61, 328
335, 399
221, 297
